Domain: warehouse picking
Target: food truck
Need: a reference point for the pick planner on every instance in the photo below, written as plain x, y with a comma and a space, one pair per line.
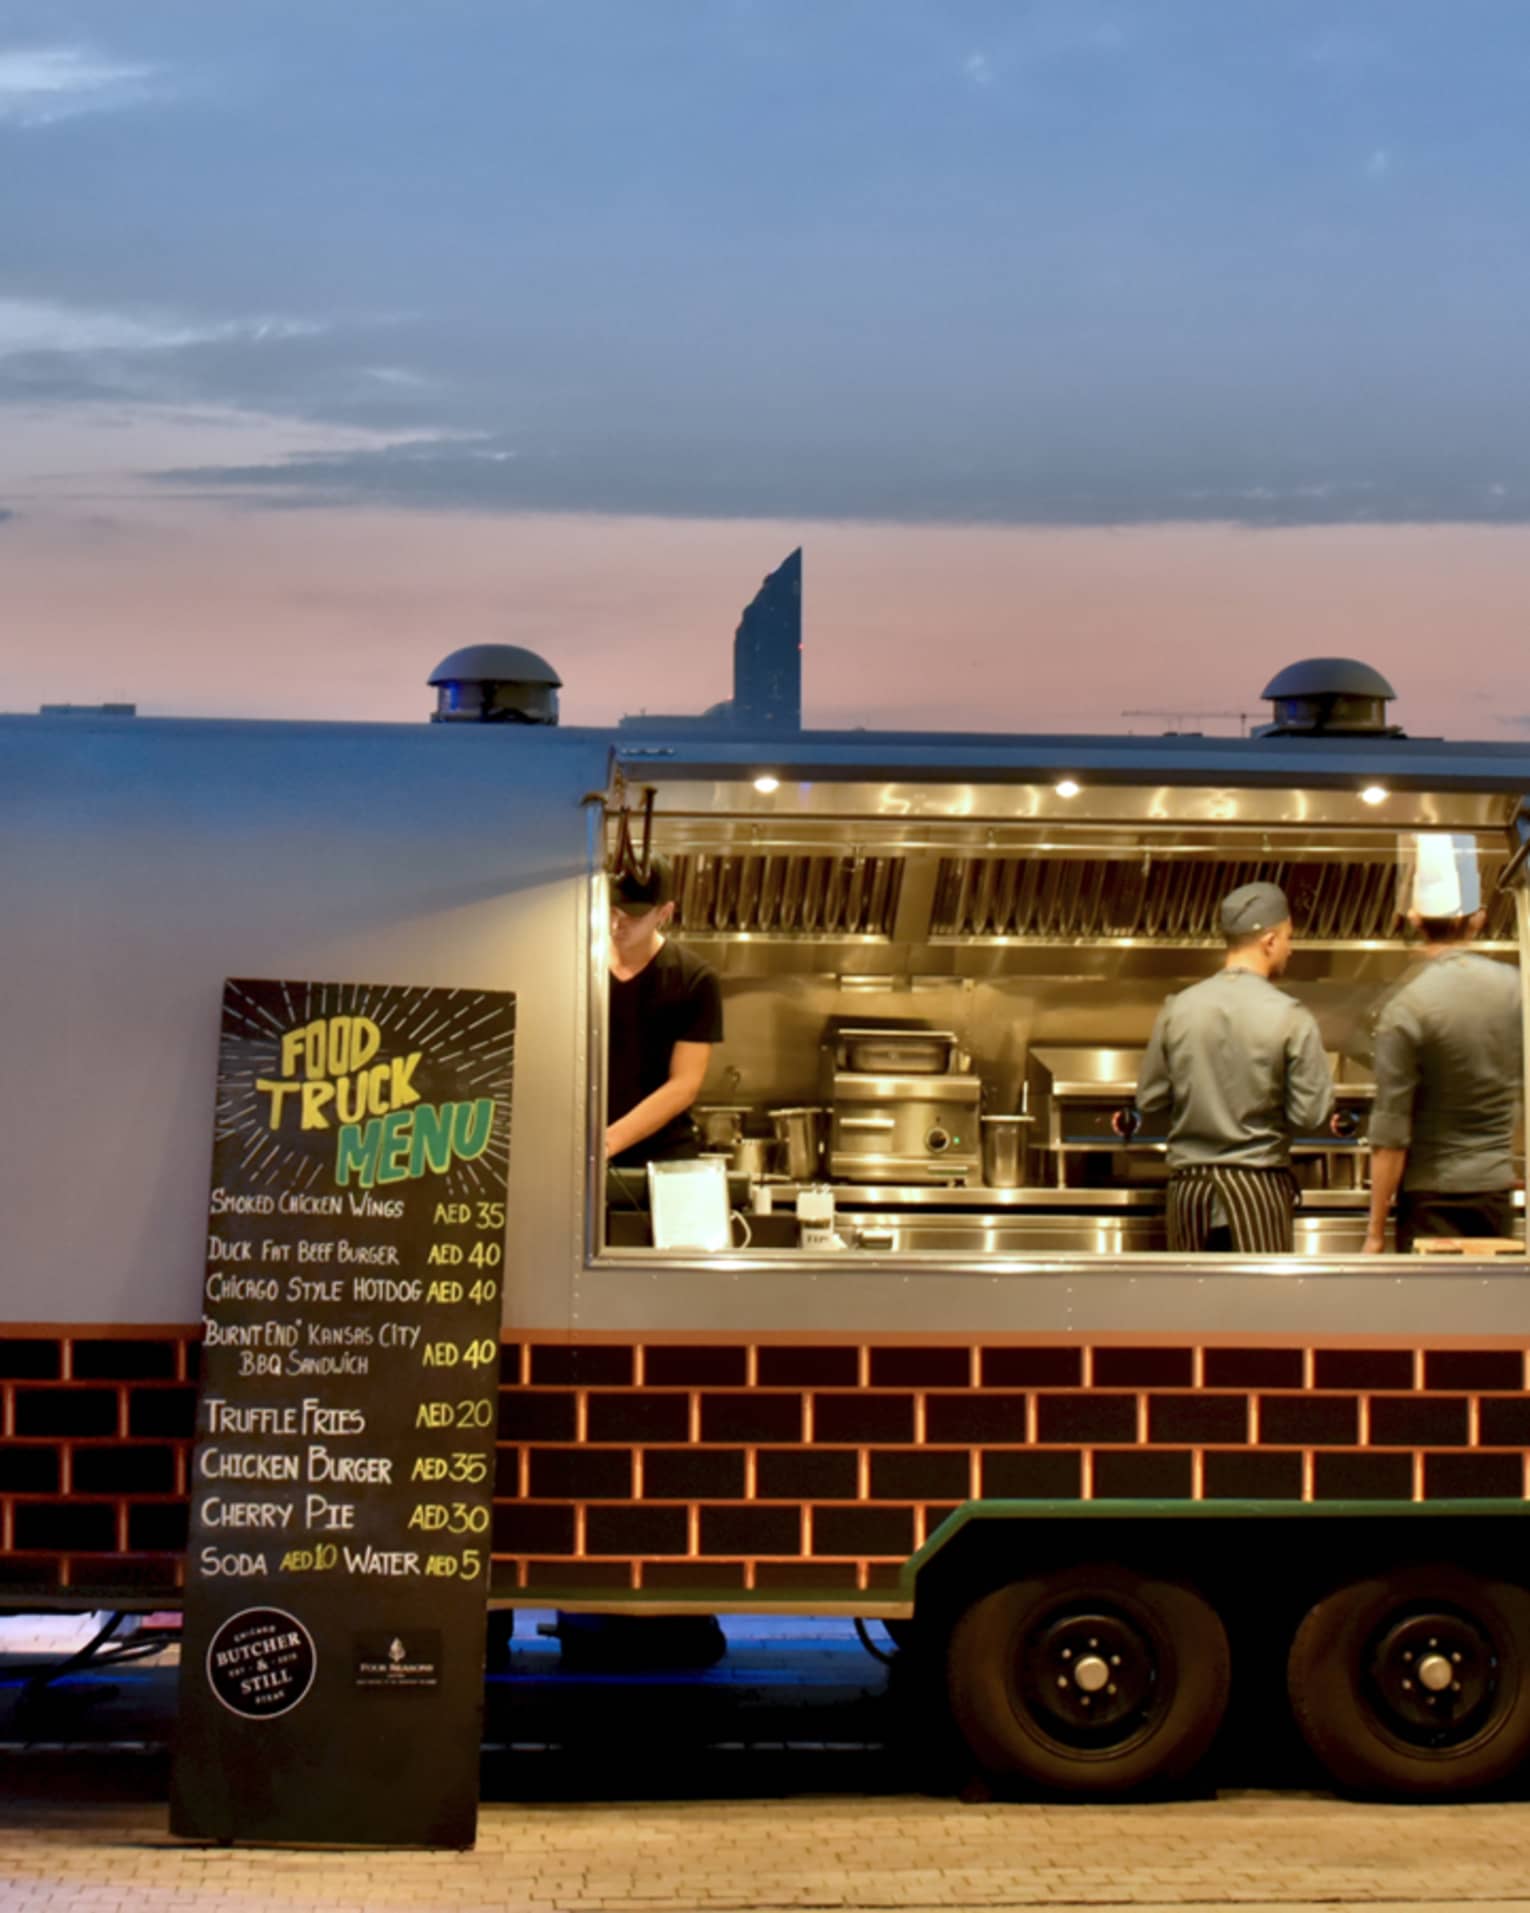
929, 1358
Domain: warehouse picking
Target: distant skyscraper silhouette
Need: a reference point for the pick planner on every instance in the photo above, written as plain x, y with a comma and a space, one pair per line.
767, 653
767, 665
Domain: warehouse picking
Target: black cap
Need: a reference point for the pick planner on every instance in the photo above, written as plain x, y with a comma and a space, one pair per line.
637, 895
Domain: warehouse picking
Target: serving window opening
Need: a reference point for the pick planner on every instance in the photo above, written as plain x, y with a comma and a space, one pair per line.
935, 1022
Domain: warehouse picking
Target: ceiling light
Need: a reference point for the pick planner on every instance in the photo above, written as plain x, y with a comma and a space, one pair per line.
1374, 794
766, 784
1067, 788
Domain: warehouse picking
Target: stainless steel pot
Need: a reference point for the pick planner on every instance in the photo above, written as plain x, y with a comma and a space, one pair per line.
755, 1157
1006, 1149
801, 1135
721, 1124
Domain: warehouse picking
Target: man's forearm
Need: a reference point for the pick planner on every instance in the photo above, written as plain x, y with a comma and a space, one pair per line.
648, 1117
1387, 1167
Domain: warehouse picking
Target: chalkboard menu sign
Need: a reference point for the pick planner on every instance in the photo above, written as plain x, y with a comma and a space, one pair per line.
338, 1559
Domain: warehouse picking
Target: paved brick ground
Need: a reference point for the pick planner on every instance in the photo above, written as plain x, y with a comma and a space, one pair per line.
787, 1787
1244, 1850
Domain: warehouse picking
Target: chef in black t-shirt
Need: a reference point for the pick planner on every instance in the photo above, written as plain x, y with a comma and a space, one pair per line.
665, 1015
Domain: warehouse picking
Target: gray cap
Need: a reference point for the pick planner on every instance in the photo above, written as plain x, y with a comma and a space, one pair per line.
1253, 908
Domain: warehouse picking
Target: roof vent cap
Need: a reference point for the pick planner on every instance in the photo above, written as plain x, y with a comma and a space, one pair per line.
495, 684
1329, 697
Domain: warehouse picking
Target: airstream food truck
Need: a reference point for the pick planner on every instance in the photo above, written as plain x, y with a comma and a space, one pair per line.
966, 1389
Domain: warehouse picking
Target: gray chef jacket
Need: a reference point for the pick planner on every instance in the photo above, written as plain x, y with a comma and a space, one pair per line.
1448, 1073
1241, 1065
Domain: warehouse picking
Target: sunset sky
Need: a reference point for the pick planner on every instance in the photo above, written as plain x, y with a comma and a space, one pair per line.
1102, 356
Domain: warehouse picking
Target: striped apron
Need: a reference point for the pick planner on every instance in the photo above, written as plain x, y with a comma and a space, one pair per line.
1259, 1205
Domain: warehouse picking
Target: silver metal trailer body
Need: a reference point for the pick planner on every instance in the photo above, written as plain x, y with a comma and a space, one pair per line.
939, 1433
144, 860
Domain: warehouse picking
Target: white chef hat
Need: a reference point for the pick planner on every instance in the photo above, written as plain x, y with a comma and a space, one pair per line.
1439, 875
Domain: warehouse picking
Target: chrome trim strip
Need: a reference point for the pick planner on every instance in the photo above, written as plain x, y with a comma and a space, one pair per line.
592, 1075
1522, 921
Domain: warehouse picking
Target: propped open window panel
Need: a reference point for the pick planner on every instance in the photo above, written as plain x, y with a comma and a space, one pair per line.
1028, 925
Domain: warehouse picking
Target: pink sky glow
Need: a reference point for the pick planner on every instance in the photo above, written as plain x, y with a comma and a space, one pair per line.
207, 609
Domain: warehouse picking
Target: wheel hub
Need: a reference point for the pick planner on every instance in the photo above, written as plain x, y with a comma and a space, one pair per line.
1435, 1673
1433, 1676
1091, 1677
1090, 1673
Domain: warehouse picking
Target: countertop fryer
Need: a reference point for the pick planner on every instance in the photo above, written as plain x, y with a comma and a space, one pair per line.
903, 1106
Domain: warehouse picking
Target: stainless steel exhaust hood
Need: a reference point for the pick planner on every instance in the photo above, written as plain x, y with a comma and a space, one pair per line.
1164, 895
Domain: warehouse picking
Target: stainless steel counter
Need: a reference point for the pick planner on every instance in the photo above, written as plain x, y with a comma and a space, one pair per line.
1120, 1233
887, 1195
885, 1219
1144, 1196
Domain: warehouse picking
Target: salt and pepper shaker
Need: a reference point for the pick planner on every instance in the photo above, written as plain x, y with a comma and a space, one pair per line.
815, 1217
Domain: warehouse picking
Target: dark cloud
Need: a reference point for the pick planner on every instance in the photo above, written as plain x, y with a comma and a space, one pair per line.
342, 376
634, 476
497, 424
6, 517
874, 260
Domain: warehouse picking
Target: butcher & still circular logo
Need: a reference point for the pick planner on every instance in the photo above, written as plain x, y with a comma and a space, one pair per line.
261, 1663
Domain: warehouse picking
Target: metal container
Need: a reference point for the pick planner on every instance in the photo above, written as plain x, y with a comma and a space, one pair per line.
1006, 1150
755, 1157
800, 1133
882, 1052
721, 1124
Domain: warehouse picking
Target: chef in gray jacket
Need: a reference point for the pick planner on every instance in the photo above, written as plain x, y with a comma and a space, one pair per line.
1241, 1067
1448, 1065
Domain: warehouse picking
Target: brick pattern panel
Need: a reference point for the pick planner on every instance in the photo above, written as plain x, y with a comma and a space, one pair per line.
813, 1471
791, 1472
95, 1448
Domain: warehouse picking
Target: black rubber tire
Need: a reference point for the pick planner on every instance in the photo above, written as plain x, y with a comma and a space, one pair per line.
1344, 1719
1003, 1633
